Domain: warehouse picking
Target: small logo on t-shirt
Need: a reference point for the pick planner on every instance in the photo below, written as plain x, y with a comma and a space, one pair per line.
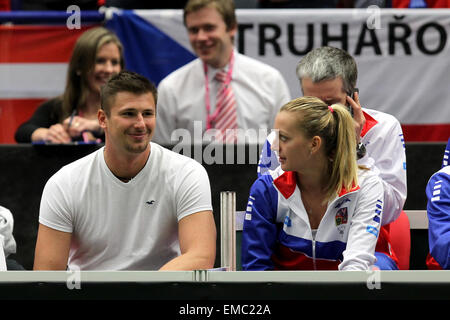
150, 202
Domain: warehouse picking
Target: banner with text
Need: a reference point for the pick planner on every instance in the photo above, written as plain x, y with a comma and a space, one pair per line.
402, 55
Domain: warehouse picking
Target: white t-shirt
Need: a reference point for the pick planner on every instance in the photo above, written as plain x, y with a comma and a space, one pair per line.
259, 89
124, 226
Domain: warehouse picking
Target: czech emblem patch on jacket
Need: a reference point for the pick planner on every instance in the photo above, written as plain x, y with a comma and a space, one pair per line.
341, 216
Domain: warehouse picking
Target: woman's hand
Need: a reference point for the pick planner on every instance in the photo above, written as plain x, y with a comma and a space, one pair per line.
78, 125
55, 134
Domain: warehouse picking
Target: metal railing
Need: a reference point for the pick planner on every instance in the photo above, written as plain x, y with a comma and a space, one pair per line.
228, 230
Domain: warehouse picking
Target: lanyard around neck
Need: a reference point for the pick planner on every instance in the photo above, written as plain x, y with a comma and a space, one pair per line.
211, 117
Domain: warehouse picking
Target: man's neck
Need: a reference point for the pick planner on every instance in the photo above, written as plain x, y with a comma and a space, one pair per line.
126, 166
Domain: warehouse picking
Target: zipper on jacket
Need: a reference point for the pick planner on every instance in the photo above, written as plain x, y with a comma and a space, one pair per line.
314, 253
313, 243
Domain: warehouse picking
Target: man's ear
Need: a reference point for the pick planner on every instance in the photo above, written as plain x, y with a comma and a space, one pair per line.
101, 115
233, 31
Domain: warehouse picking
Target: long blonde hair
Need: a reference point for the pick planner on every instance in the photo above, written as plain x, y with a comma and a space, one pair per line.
334, 125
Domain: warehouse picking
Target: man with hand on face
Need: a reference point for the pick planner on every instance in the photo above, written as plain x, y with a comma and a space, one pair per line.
330, 74
131, 205
222, 88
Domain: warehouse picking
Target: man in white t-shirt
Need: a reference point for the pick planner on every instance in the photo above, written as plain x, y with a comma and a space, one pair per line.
131, 205
189, 98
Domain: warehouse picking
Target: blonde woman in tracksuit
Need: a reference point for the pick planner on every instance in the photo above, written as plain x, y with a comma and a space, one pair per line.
318, 210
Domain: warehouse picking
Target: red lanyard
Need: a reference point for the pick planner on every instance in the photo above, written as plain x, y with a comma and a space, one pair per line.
211, 117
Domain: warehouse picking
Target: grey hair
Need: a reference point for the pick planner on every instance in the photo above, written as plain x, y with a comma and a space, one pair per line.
328, 63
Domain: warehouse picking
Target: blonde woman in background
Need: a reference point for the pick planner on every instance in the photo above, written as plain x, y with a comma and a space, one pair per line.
318, 210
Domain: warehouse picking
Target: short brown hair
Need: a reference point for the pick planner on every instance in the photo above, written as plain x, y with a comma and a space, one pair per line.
125, 81
225, 8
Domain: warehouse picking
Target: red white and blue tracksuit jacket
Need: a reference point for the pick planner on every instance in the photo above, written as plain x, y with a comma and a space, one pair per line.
277, 234
382, 136
438, 210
